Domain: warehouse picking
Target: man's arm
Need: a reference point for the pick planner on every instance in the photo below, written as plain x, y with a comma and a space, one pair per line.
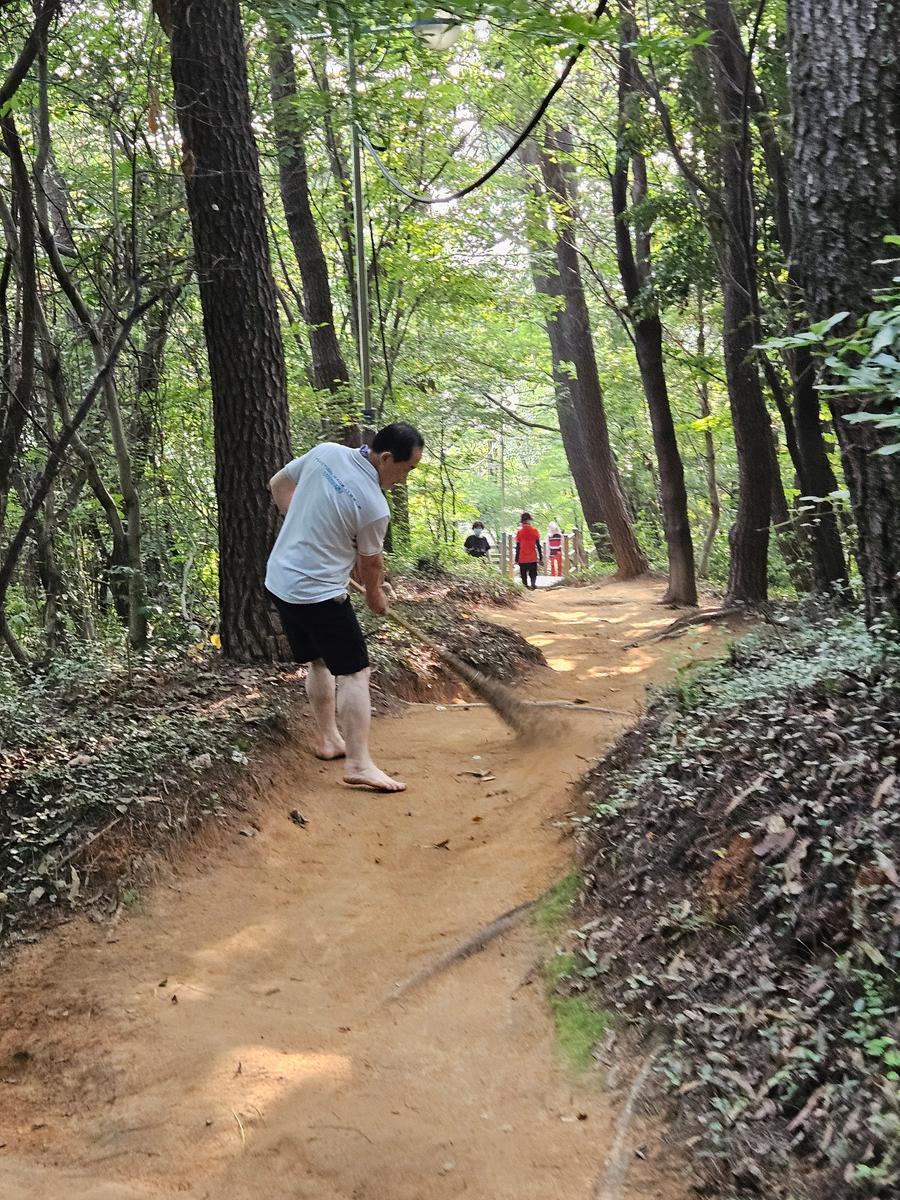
371, 576
282, 486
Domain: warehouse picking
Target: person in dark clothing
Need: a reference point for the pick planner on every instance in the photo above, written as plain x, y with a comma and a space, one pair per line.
476, 544
529, 551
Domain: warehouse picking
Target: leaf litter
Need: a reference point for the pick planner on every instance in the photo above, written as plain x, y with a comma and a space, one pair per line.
741, 906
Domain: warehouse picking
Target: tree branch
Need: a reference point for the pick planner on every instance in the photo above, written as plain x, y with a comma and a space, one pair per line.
55, 459
511, 412
29, 52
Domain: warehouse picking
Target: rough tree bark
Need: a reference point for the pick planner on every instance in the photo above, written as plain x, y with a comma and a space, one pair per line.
749, 536
581, 408
634, 272
548, 285
806, 441
845, 80
329, 369
16, 409
237, 293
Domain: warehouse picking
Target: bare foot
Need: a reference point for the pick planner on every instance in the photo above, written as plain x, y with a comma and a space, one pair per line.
374, 779
329, 748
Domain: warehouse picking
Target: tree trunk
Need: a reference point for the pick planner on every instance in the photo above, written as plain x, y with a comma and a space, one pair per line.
709, 458
648, 342
846, 198
789, 543
817, 518
549, 286
749, 536
341, 175
576, 366
329, 369
817, 478
17, 407
398, 498
237, 293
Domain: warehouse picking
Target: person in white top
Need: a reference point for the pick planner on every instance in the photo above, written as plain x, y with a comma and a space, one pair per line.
335, 518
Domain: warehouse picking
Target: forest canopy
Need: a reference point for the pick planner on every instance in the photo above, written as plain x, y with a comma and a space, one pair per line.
630, 268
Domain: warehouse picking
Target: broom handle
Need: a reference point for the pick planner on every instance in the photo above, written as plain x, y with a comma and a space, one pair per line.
412, 630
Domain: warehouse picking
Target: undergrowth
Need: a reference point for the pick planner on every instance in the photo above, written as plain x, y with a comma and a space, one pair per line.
150, 745
742, 902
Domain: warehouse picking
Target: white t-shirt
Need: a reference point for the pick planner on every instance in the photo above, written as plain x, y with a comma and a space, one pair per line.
337, 511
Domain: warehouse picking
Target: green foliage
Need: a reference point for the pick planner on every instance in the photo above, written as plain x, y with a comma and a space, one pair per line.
553, 908
579, 1029
795, 653
864, 363
459, 337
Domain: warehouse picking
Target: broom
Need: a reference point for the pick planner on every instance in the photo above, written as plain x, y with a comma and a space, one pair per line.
518, 714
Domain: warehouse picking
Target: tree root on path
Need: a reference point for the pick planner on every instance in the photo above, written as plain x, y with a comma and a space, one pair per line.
472, 945
612, 1178
686, 621
568, 704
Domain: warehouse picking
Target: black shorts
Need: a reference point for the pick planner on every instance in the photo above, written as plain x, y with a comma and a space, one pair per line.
328, 630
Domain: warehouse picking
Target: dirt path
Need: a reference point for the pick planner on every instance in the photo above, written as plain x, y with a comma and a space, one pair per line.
232, 1037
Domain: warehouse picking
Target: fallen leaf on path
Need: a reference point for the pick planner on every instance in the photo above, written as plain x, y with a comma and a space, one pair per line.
444, 845
742, 795
882, 790
793, 883
888, 870
298, 818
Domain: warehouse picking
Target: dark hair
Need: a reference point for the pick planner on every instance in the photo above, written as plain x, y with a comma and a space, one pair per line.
480, 524
399, 439
525, 517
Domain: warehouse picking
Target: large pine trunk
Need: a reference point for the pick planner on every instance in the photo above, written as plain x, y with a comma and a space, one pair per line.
574, 341
634, 272
548, 285
749, 535
237, 293
329, 369
806, 442
845, 80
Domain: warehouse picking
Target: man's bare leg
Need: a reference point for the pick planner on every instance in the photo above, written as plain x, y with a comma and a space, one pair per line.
354, 707
320, 690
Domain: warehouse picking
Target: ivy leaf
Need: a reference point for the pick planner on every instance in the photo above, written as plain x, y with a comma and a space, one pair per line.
820, 328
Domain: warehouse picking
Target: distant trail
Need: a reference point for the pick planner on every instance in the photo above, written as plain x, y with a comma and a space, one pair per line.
229, 1039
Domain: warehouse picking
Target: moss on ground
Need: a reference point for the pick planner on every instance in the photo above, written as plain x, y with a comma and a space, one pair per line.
554, 907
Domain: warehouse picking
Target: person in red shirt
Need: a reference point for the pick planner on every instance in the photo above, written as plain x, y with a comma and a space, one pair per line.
529, 551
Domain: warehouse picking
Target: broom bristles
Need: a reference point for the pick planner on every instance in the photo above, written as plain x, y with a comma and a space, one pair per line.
515, 713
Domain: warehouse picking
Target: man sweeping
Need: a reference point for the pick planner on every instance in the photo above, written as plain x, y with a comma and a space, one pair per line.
335, 519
